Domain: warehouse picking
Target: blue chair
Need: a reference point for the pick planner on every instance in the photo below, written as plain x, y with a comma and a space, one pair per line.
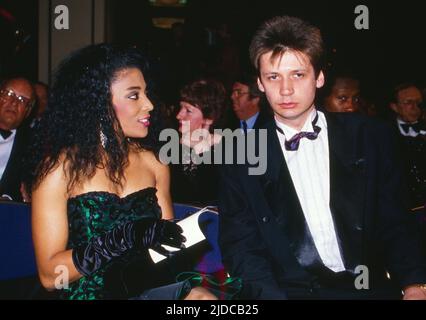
211, 261
17, 259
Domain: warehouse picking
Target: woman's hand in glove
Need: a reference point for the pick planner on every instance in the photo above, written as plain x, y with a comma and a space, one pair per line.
153, 233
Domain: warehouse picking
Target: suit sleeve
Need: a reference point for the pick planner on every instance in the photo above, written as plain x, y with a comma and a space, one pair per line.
244, 252
399, 236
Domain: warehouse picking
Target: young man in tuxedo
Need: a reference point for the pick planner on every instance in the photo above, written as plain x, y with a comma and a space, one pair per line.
327, 220
16, 101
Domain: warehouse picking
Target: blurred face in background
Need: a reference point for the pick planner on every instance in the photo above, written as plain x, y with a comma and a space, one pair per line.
191, 118
243, 105
344, 96
41, 93
16, 101
408, 105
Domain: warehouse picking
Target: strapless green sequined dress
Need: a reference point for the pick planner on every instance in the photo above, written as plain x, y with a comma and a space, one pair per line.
93, 213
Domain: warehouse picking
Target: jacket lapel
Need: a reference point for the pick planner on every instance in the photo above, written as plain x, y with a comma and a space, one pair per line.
282, 198
347, 185
347, 194
12, 161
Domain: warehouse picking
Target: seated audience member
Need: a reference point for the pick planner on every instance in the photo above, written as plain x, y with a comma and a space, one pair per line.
406, 102
247, 103
41, 91
100, 195
329, 212
201, 105
16, 101
342, 94
423, 105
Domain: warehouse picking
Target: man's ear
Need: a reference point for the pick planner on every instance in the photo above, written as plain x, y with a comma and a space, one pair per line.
256, 100
394, 107
320, 80
28, 112
260, 85
207, 122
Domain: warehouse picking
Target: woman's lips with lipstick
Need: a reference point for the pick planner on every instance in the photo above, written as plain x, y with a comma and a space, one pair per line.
145, 121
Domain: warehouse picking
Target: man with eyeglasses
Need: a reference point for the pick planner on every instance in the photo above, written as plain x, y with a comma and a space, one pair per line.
407, 103
16, 101
247, 103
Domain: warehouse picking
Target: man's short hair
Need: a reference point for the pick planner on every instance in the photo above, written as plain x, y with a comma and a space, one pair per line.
250, 80
284, 33
402, 86
5, 82
208, 95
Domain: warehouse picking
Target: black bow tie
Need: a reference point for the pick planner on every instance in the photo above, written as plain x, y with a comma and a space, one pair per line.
293, 143
415, 126
5, 133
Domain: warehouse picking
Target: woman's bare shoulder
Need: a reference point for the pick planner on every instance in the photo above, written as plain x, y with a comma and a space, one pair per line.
53, 184
56, 173
152, 162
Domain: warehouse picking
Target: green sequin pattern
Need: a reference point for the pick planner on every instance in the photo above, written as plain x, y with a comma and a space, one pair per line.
93, 213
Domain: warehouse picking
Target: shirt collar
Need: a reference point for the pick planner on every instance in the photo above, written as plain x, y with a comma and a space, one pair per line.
307, 127
403, 122
250, 121
11, 137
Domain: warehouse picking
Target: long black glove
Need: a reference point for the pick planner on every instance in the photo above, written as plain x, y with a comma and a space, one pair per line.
142, 234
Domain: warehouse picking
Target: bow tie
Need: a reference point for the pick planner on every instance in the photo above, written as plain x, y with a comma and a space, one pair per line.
293, 143
415, 126
5, 133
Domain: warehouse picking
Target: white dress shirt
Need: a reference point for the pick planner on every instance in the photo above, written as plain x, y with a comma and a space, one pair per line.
411, 132
250, 121
310, 171
5, 151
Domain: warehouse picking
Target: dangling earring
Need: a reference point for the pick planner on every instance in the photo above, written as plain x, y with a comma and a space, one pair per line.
103, 138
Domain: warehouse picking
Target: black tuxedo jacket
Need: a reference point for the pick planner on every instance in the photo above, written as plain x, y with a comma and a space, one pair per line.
412, 151
12, 177
263, 233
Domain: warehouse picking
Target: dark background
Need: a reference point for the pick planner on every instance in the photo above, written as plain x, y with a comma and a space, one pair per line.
391, 51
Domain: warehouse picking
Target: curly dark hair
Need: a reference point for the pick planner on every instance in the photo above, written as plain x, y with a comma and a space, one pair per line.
209, 96
79, 108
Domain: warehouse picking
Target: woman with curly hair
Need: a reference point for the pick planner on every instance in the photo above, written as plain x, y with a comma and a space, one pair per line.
100, 197
201, 108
